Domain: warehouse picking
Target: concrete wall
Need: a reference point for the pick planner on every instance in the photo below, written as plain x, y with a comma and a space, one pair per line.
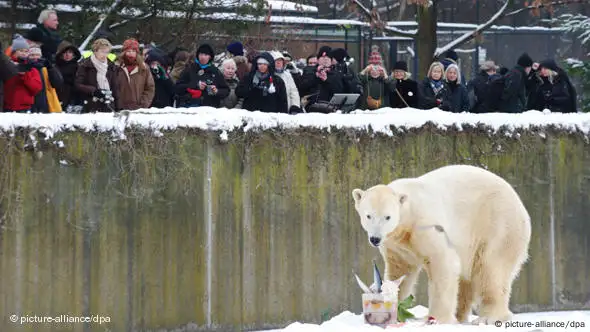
186, 231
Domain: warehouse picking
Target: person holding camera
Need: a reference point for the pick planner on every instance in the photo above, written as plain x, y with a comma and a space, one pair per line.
8, 70
201, 83
164, 93
322, 84
20, 90
96, 79
555, 92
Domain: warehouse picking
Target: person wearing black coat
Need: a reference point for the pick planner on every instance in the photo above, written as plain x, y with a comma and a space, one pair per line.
434, 91
556, 92
351, 80
321, 83
7, 71
45, 33
514, 95
262, 89
164, 92
66, 61
458, 96
405, 90
201, 83
479, 87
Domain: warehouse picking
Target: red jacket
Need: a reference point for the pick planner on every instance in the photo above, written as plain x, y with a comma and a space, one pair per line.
20, 90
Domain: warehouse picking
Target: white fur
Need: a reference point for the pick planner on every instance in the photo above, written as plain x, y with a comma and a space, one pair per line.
473, 254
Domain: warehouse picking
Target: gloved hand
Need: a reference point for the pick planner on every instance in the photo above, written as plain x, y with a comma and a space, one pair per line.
37, 64
98, 94
195, 94
294, 109
24, 67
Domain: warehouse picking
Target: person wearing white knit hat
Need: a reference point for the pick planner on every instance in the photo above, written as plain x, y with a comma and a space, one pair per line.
293, 99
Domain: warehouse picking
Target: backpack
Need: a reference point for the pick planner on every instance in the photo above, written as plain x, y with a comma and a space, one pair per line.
495, 91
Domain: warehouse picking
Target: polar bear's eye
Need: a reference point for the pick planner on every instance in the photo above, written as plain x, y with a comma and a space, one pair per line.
368, 216
387, 218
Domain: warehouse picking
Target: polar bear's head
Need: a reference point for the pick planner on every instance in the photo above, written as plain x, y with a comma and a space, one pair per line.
379, 209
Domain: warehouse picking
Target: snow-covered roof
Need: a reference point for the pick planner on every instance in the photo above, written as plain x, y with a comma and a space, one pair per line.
275, 5
225, 120
470, 26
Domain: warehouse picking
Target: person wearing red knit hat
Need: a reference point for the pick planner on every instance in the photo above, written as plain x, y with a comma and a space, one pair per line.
134, 79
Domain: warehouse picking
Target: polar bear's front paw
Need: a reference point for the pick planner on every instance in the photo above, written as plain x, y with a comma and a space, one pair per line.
492, 319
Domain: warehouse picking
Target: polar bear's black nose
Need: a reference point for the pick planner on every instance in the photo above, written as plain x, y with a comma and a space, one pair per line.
375, 240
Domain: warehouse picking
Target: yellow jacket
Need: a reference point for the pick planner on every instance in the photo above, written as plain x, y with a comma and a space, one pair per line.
111, 56
52, 100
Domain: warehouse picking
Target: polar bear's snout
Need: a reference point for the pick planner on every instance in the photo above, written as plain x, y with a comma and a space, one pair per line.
375, 241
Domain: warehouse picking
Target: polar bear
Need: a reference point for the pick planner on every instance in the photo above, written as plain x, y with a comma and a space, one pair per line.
465, 226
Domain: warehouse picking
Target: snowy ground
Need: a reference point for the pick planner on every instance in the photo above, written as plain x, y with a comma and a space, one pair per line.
349, 322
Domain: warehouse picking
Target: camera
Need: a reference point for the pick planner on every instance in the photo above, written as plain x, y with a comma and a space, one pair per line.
107, 97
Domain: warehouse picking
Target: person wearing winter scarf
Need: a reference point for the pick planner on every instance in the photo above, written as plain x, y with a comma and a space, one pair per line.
100, 62
263, 90
433, 90
261, 76
228, 69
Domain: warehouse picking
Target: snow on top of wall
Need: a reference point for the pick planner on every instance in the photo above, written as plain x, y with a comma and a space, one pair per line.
228, 120
471, 26
350, 322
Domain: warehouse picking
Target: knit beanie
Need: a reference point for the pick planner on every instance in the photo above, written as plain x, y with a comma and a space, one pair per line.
324, 51
206, 49
525, 60
375, 57
401, 65
451, 54
549, 64
131, 44
236, 49
35, 51
19, 43
339, 54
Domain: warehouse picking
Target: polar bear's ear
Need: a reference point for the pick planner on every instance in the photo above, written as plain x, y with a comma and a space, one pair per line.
357, 194
403, 198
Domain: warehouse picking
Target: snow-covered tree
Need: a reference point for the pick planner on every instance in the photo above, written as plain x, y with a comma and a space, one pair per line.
161, 21
426, 17
579, 26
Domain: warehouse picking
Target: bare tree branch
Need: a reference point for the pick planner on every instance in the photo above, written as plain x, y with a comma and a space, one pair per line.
545, 5
104, 16
472, 34
375, 20
124, 22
